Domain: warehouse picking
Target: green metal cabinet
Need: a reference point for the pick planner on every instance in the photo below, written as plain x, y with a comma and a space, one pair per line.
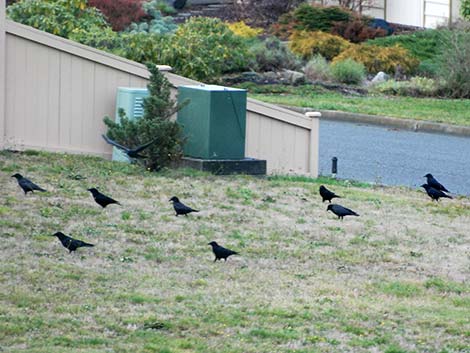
214, 121
131, 100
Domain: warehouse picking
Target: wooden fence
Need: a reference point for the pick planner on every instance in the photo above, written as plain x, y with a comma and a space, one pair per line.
54, 94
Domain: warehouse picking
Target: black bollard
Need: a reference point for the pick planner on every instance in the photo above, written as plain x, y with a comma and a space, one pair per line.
334, 167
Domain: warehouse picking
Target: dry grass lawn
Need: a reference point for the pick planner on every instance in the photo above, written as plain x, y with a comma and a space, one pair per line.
393, 280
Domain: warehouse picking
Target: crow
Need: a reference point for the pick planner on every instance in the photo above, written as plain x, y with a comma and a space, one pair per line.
26, 184
101, 199
433, 193
327, 194
131, 152
220, 252
340, 211
70, 243
181, 208
432, 182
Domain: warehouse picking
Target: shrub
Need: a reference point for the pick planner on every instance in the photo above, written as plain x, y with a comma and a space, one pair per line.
271, 55
159, 5
141, 47
357, 31
120, 13
377, 58
318, 69
154, 125
455, 68
103, 39
308, 44
284, 28
263, 12
348, 71
423, 45
317, 18
243, 30
429, 68
59, 17
310, 18
158, 24
465, 9
203, 48
416, 87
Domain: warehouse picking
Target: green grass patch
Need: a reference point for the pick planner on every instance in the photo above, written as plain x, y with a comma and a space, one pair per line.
444, 286
400, 289
451, 111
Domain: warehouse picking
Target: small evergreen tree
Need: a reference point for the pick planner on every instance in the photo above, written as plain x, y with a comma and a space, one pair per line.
156, 124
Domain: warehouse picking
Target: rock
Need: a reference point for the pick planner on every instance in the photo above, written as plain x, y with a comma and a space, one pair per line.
294, 77
380, 77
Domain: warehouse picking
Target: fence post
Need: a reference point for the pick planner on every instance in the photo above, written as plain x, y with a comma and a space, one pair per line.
2, 73
314, 142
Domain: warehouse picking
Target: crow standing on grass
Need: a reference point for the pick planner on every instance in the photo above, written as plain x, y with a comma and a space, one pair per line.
432, 182
220, 252
131, 152
26, 184
340, 211
70, 243
433, 193
181, 208
327, 194
102, 199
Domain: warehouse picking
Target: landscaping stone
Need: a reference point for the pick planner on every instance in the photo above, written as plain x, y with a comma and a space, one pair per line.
294, 77
380, 77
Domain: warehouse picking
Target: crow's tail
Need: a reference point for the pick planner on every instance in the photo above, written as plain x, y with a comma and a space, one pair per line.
448, 196
88, 244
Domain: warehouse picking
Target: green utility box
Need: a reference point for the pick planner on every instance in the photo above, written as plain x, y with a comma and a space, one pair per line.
132, 101
213, 121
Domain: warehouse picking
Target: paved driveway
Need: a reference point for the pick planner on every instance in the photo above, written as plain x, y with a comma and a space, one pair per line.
394, 157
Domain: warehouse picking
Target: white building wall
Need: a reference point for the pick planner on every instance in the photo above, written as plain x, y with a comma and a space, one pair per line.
421, 13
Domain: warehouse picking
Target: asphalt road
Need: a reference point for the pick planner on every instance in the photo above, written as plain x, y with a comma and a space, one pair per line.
394, 157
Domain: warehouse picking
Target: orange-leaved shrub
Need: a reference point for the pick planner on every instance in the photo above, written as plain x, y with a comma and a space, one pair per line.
308, 44
377, 59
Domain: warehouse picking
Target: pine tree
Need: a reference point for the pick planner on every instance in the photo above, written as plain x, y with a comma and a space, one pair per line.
156, 123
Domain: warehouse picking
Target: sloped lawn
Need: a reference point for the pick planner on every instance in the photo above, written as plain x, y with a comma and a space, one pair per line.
391, 280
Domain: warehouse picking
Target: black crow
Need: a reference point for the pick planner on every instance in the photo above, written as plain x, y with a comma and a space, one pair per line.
101, 199
181, 208
70, 243
327, 194
340, 211
26, 184
131, 152
220, 252
433, 193
432, 182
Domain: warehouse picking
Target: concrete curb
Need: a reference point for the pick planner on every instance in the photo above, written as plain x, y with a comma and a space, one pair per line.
404, 124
